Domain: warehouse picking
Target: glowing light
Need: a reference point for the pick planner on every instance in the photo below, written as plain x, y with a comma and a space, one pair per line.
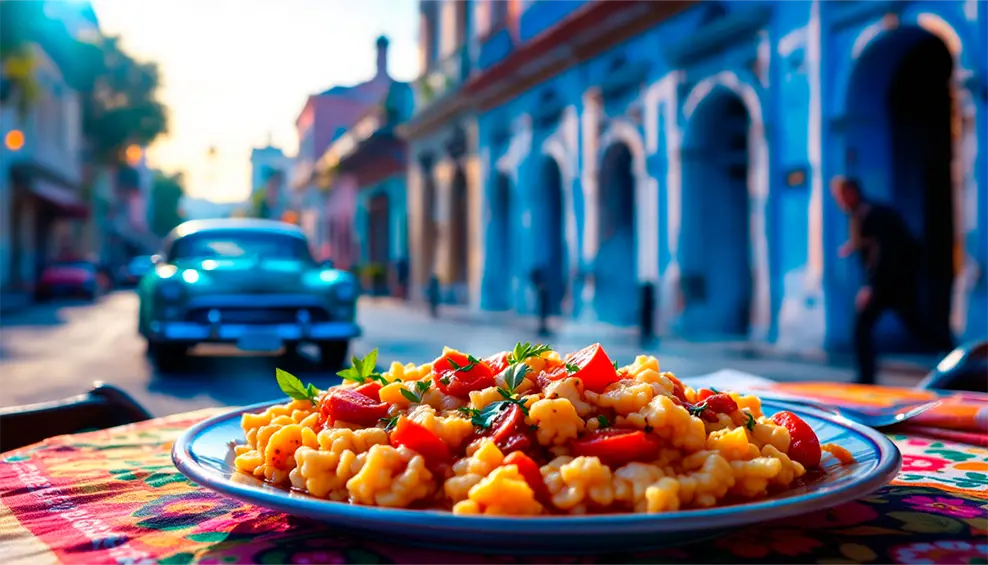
167, 271
14, 140
190, 276
209, 264
133, 153
327, 276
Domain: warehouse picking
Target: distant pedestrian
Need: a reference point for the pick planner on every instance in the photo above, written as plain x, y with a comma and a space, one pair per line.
890, 255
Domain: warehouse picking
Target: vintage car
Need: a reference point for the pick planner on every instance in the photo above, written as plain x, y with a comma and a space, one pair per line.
251, 283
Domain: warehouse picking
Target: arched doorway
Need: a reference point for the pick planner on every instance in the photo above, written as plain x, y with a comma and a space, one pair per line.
379, 240
899, 142
550, 243
715, 240
615, 268
458, 237
500, 247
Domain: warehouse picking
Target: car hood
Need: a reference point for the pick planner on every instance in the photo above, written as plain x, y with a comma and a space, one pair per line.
248, 275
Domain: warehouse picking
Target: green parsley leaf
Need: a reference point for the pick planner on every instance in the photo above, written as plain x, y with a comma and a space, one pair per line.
485, 417
715, 391
698, 409
750, 424
571, 368
514, 376
525, 350
391, 422
504, 393
603, 421
616, 368
411, 396
471, 412
423, 386
363, 369
293, 387
445, 380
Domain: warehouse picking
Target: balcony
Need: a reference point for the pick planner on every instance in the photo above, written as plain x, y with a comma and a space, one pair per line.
495, 47
442, 78
541, 15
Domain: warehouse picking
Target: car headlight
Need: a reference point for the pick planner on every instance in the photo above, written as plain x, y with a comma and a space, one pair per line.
170, 291
345, 290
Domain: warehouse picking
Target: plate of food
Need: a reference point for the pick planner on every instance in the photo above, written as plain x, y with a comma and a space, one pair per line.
532, 450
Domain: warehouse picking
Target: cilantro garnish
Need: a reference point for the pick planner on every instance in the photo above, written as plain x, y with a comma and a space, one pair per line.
457, 368
363, 369
571, 368
750, 423
390, 423
697, 410
603, 421
471, 412
421, 387
293, 387
525, 350
485, 418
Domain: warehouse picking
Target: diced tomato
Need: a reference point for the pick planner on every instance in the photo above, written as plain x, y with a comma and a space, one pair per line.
703, 394
704, 413
804, 446
596, 369
460, 382
350, 406
371, 390
529, 469
498, 362
616, 447
516, 442
506, 423
421, 440
721, 403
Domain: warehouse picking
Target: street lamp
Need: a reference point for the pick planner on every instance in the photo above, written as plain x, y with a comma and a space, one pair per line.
133, 154
14, 140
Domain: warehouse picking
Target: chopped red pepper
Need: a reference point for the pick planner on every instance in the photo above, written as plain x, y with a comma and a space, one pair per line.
529, 469
421, 440
350, 406
804, 446
457, 376
616, 447
595, 369
371, 390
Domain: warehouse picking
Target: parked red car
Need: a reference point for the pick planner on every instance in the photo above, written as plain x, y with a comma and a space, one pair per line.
70, 279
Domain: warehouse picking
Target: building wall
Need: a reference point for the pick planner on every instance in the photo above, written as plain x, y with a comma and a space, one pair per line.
784, 71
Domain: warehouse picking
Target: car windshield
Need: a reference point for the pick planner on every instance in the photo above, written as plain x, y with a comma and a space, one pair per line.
240, 245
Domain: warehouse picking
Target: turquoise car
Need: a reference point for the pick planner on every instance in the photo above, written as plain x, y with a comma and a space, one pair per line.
250, 283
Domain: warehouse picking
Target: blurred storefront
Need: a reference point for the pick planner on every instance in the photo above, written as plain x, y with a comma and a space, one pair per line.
613, 147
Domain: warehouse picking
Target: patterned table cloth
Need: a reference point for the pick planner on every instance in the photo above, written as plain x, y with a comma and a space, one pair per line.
114, 497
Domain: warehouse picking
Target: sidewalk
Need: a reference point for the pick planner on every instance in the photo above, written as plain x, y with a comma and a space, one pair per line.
624, 344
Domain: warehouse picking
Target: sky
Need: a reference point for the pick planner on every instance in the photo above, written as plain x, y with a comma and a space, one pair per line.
236, 72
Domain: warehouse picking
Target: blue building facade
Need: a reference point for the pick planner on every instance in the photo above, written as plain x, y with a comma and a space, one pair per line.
685, 149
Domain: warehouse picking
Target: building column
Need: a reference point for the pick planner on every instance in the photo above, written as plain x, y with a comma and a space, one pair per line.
443, 173
592, 109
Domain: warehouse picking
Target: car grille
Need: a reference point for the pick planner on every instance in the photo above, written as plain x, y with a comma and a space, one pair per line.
256, 315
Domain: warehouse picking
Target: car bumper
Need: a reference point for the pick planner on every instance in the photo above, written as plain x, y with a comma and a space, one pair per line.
227, 333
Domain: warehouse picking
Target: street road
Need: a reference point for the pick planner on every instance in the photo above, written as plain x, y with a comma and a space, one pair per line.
53, 351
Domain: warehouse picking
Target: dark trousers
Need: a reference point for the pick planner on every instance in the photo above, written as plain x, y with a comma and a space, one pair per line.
905, 303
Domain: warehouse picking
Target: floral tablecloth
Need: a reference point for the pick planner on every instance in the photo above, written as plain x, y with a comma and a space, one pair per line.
114, 497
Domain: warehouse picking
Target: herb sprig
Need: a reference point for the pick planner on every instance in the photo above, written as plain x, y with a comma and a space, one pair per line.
390, 423
571, 368
457, 368
750, 422
293, 387
363, 370
421, 387
525, 350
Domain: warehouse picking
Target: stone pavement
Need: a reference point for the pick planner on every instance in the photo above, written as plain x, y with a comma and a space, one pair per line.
410, 332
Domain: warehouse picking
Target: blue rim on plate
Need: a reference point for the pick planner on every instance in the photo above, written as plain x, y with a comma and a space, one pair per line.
203, 454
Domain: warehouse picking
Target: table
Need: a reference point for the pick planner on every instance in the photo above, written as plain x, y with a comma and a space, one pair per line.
113, 496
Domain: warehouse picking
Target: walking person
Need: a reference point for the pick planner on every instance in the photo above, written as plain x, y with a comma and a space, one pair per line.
890, 255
